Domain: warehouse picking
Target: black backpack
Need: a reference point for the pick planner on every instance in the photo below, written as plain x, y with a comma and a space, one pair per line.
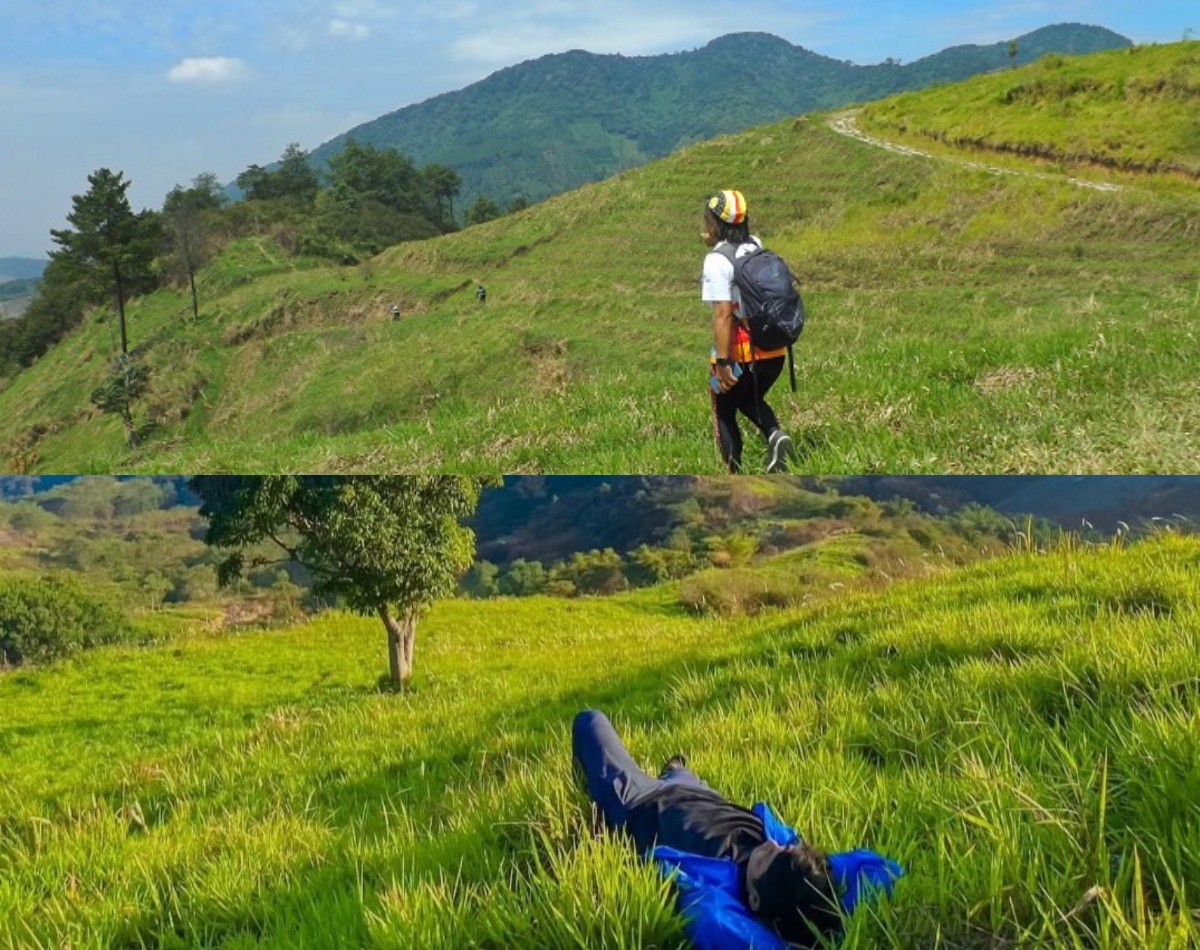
772, 308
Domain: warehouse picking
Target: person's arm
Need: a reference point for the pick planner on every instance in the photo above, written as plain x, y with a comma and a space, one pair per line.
715, 918
718, 291
723, 330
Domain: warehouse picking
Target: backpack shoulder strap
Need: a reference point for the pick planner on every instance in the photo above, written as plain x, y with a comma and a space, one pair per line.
727, 251
730, 252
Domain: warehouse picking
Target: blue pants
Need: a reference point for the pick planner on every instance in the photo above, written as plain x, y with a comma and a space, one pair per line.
614, 781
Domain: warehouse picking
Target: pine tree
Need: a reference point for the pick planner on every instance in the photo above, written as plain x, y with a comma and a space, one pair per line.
111, 249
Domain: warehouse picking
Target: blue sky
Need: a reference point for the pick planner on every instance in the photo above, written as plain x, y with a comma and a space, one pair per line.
166, 89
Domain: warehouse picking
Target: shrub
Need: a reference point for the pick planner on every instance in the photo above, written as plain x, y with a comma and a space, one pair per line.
44, 619
734, 593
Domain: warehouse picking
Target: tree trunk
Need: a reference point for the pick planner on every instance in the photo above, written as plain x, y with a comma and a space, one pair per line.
189, 262
121, 306
126, 406
195, 299
402, 634
130, 429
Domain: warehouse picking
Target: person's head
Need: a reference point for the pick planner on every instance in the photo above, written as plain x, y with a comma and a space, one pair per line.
726, 218
791, 889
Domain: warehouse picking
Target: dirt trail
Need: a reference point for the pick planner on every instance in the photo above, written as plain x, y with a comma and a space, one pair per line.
844, 123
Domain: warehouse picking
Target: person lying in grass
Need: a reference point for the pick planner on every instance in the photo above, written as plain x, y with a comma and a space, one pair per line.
745, 879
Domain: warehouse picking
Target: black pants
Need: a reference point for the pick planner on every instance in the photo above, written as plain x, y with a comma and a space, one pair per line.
614, 781
749, 397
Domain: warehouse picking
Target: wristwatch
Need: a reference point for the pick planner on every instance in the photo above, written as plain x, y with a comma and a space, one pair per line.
721, 361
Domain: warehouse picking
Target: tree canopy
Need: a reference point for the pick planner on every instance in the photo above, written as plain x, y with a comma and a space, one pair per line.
109, 249
188, 228
294, 177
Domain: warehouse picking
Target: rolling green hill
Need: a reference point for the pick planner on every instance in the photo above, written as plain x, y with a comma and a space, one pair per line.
960, 321
1129, 110
549, 125
138, 542
1021, 735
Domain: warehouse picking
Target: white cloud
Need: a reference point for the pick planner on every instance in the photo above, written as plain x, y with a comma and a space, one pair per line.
208, 71
344, 30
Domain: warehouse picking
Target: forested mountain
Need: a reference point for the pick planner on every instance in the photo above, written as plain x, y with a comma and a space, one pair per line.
551, 518
1073, 502
545, 518
729, 545
549, 125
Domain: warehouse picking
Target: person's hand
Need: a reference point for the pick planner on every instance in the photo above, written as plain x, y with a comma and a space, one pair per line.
725, 378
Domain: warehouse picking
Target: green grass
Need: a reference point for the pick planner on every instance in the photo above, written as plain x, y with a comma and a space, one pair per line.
1021, 734
1130, 110
959, 322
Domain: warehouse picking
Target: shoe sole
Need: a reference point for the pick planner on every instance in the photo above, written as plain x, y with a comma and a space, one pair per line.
781, 454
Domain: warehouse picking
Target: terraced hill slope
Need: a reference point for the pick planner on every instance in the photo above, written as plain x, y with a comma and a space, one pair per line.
960, 321
1130, 110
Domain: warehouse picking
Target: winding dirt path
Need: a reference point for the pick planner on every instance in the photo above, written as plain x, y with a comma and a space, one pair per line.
844, 124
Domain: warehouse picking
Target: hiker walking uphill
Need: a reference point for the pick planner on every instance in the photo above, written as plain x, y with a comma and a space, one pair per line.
745, 880
749, 347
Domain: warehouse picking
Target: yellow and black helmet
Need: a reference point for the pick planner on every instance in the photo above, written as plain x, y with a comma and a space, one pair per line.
729, 206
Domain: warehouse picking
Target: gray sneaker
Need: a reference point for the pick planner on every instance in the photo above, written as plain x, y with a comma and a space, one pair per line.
779, 452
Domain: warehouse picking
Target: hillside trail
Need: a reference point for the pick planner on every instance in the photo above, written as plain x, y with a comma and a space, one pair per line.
844, 124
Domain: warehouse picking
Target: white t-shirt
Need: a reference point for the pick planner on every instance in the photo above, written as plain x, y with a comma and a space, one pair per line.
718, 285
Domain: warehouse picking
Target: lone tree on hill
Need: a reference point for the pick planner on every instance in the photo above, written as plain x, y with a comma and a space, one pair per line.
110, 247
482, 210
385, 545
186, 215
445, 184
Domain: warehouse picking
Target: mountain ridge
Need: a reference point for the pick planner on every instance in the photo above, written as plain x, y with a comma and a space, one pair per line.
21, 268
604, 113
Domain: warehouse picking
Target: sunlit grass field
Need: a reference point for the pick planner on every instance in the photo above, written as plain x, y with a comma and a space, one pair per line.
1023, 734
1131, 110
959, 321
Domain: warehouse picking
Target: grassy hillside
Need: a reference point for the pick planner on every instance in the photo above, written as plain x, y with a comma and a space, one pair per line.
959, 322
1130, 110
1022, 735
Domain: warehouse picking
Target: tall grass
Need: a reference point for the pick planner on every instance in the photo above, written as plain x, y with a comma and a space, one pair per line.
1021, 734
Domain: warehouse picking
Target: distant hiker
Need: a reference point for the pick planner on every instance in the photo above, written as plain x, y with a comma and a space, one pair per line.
740, 374
481, 293
745, 879
395, 312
